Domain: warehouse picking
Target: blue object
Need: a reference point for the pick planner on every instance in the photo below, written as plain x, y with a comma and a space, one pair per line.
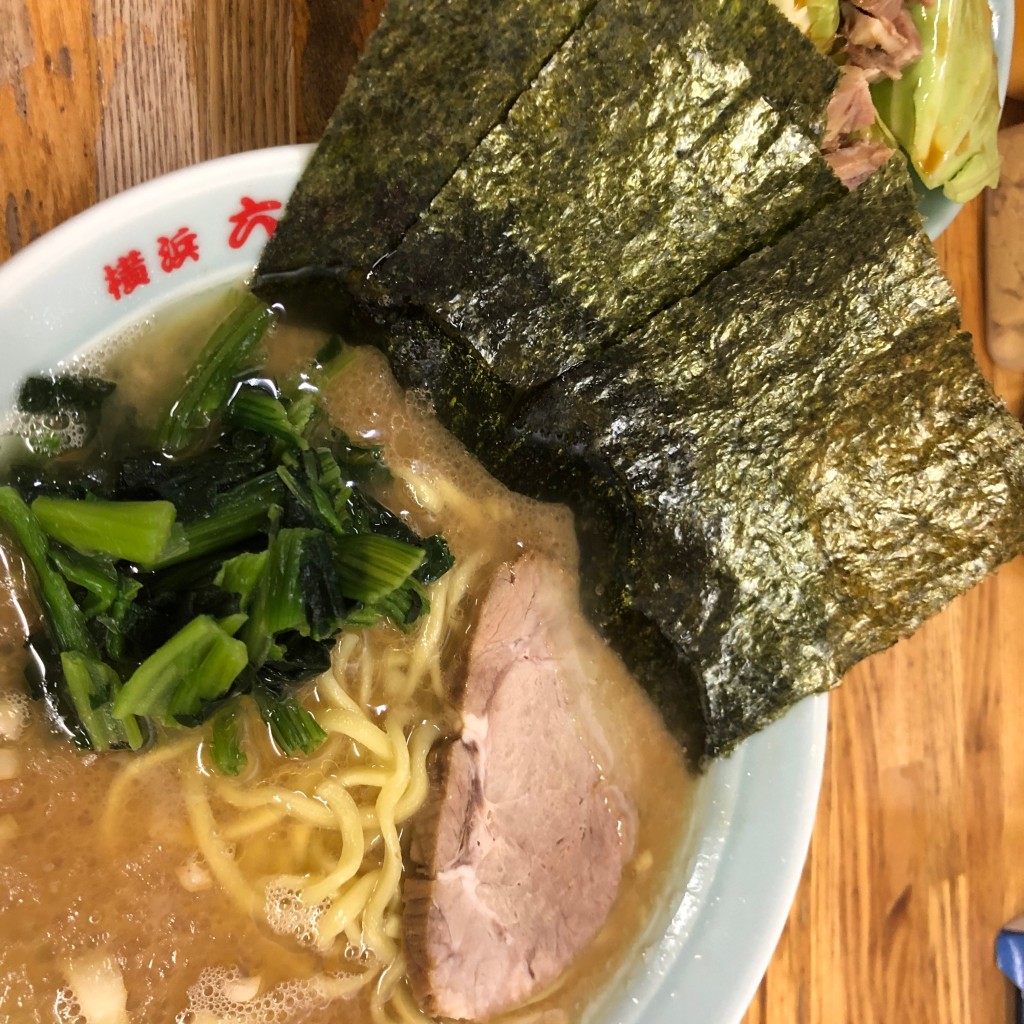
1010, 958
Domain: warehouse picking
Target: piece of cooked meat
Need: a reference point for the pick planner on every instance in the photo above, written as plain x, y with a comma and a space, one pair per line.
881, 39
850, 109
519, 858
856, 161
853, 158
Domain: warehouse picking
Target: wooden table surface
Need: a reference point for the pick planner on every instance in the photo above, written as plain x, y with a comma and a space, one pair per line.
918, 852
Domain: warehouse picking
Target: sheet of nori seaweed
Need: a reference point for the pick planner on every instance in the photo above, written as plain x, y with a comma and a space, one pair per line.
791, 75
643, 160
437, 75
775, 476
815, 460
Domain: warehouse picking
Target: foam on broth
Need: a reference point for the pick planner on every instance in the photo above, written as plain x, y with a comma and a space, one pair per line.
136, 889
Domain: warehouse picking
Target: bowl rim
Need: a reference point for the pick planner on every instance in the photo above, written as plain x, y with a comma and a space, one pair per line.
707, 946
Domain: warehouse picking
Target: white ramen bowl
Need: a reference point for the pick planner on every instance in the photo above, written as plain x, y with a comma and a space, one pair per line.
706, 949
735, 875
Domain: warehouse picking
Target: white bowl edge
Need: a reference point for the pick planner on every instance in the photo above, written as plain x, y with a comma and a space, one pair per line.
712, 938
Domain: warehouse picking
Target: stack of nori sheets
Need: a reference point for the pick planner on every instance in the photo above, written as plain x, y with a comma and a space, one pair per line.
643, 160
649, 152
437, 76
641, 292
813, 427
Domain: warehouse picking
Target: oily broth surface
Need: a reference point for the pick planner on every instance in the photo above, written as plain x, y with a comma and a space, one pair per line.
65, 892
67, 886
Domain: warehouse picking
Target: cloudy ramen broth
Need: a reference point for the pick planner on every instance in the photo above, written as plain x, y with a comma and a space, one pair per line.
153, 869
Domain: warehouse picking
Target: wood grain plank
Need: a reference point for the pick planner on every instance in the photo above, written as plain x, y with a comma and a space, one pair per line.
246, 69
192, 81
98, 96
335, 33
50, 103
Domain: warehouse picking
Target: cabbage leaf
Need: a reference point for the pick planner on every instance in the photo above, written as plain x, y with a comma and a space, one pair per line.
945, 109
817, 19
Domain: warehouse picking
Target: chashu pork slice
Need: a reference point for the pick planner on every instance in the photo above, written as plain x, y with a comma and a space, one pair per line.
519, 857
